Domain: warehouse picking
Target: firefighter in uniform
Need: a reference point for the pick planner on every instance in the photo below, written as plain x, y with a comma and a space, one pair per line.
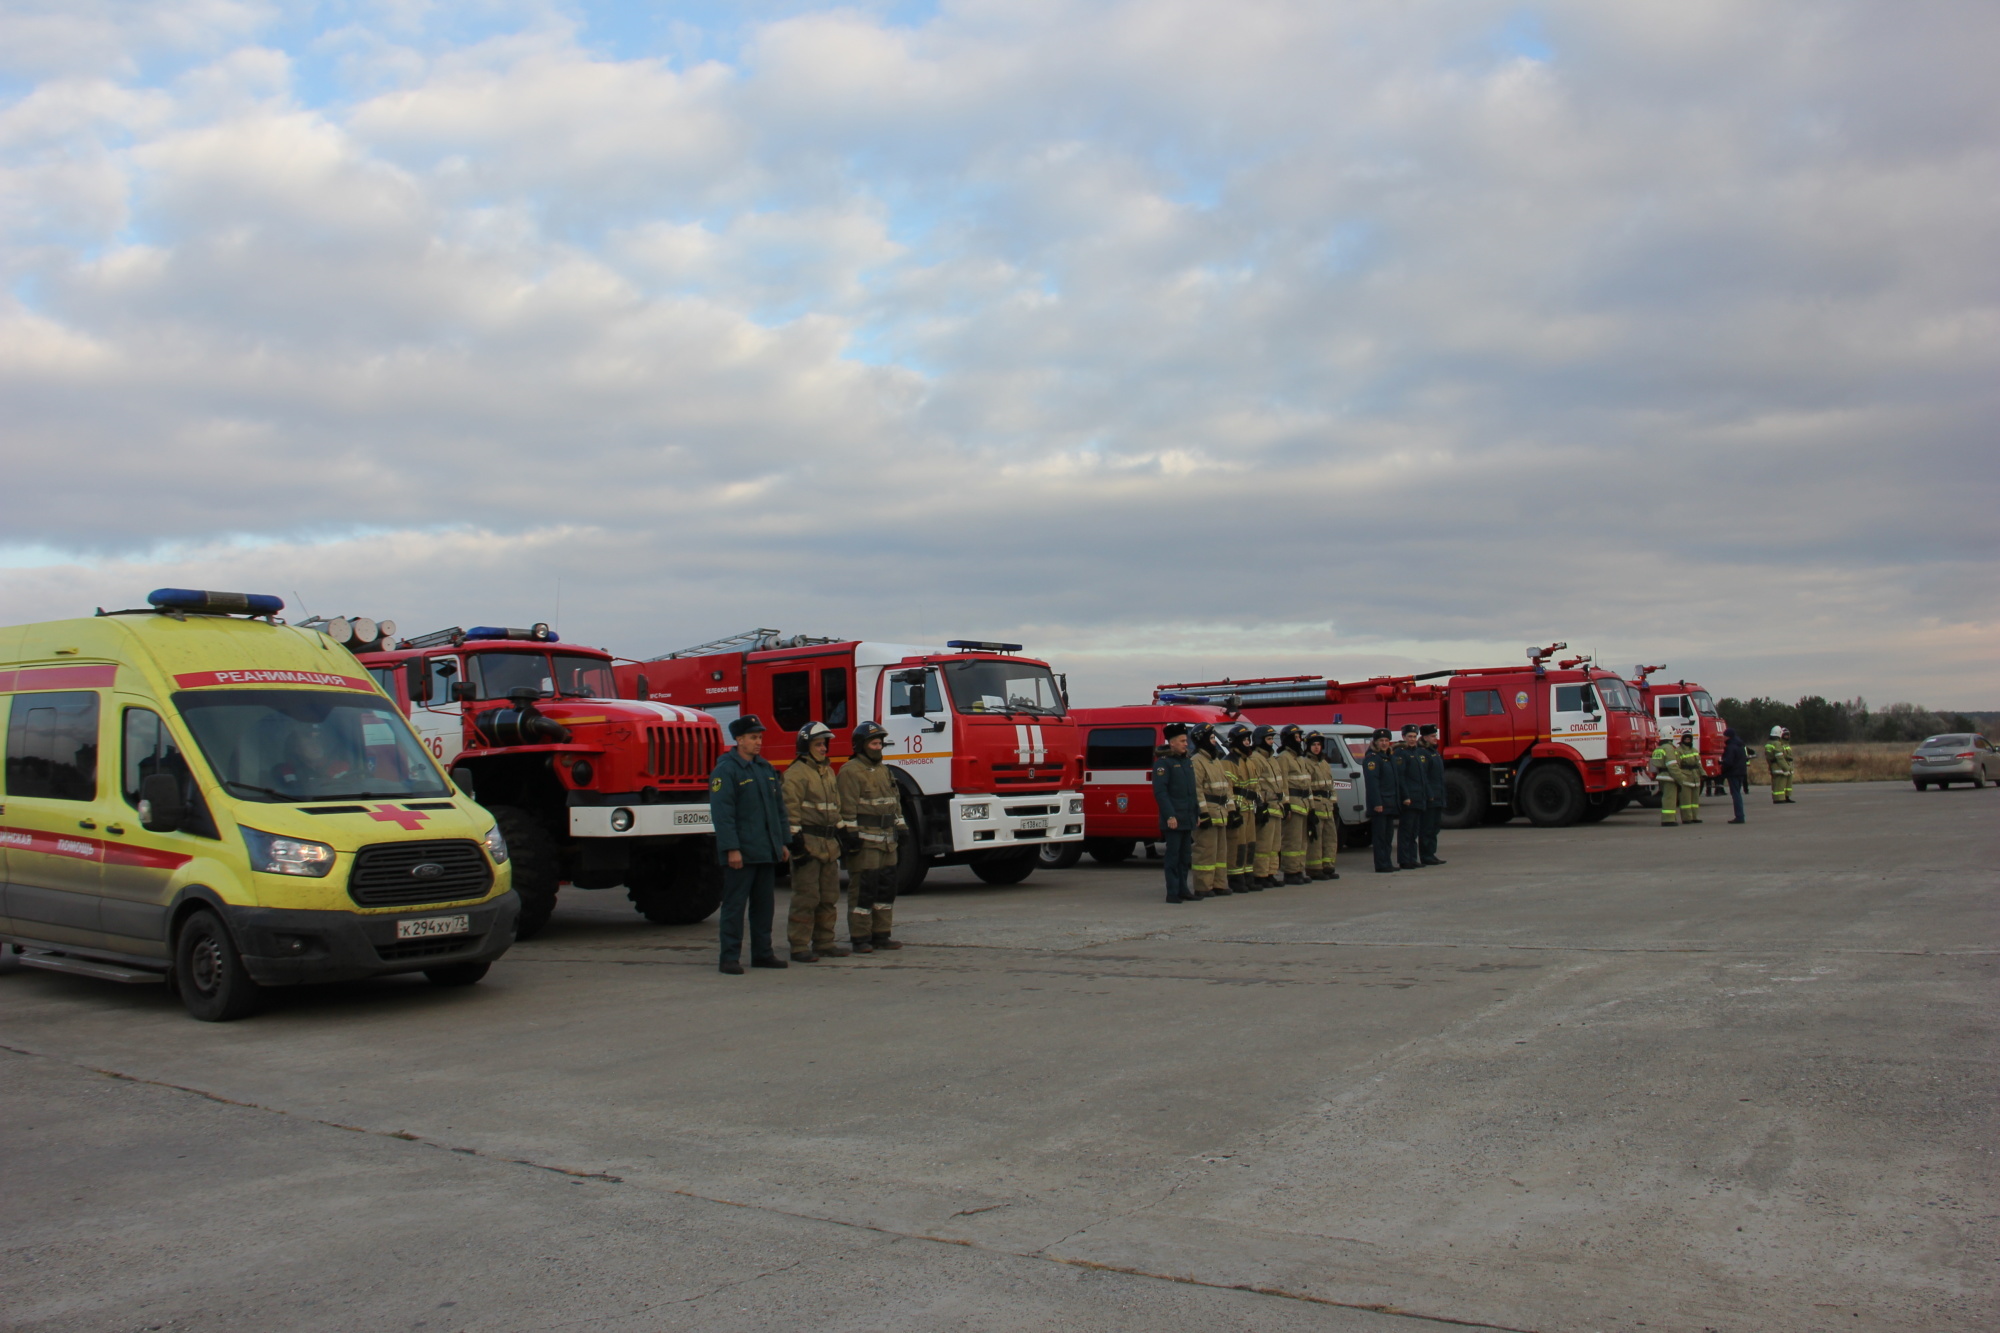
1295, 770
746, 803
1427, 838
1243, 821
1778, 754
1178, 797
871, 815
1688, 763
1323, 828
812, 804
1218, 799
1415, 790
1270, 806
1378, 775
1666, 766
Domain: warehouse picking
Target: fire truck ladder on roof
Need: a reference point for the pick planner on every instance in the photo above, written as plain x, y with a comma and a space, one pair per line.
749, 641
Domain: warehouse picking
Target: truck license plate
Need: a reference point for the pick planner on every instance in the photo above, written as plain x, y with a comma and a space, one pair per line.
1034, 823
423, 927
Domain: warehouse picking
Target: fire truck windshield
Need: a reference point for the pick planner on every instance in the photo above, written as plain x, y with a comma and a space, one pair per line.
570, 675
981, 686
1702, 703
1616, 695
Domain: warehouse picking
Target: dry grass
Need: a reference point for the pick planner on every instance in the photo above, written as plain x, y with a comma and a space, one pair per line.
1846, 761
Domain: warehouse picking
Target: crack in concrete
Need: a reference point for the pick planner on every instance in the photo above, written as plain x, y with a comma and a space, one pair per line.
890, 1234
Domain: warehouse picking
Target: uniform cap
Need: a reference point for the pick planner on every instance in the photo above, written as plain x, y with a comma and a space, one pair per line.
1173, 729
744, 725
1410, 730
1379, 734
1428, 729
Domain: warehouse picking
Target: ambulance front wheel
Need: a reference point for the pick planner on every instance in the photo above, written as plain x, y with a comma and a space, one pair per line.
209, 973
537, 867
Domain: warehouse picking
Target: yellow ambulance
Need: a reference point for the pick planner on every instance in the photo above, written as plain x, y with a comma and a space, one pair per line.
201, 794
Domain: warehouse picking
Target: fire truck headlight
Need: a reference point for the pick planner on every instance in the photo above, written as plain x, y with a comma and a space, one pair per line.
621, 820
1076, 806
979, 811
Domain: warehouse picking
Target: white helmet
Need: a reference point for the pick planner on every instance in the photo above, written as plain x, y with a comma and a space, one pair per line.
1777, 732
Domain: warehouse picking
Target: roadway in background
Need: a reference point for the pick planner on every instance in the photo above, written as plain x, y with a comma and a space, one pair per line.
1609, 1077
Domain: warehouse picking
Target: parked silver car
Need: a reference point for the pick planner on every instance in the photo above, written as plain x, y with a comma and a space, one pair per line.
1943, 760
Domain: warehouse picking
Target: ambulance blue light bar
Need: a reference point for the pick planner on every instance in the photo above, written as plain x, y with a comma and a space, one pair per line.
216, 603
976, 646
537, 633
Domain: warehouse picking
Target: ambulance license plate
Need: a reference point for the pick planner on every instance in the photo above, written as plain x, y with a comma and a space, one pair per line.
1034, 823
423, 927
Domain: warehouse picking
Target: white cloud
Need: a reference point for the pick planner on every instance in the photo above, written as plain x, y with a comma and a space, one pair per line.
1150, 331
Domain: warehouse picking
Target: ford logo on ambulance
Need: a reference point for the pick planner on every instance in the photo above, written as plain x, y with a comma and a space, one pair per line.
427, 870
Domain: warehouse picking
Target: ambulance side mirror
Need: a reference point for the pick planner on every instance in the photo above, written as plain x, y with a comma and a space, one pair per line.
160, 806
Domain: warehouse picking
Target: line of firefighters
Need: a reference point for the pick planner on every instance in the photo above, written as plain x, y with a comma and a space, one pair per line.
1257, 808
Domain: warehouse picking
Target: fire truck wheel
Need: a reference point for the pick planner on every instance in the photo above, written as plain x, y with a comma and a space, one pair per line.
1465, 799
1058, 855
1109, 851
1004, 868
1551, 796
537, 867
676, 885
910, 868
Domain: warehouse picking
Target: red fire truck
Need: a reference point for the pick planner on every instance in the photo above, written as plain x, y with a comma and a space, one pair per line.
589, 789
1118, 748
980, 739
1560, 744
1682, 705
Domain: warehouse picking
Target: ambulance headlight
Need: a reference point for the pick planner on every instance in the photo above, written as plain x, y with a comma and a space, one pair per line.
275, 855
496, 846
981, 810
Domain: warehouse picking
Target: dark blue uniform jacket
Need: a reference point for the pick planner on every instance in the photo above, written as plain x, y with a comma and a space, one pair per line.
1433, 775
1735, 761
1379, 771
1409, 766
747, 801
1174, 789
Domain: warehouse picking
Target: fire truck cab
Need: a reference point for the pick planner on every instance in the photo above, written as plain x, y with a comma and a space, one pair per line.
980, 738
589, 789
1682, 705
1561, 744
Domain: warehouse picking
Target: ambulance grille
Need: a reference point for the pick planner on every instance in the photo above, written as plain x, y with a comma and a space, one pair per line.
686, 754
382, 874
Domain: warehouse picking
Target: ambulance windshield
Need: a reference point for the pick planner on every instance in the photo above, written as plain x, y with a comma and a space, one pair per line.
289, 746
983, 686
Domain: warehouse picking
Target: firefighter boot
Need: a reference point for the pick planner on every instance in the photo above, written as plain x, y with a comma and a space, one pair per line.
884, 942
1296, 877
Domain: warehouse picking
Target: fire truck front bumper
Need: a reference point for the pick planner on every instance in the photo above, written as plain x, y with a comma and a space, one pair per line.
985, 823
640, 821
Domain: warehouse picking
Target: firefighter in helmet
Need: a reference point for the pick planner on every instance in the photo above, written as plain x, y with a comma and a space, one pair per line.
1778, 754
1322, 825
1296, 771
1688, 762
1243, 820
1665, 763
871, 817
812, 804
1217, 797
1270, 783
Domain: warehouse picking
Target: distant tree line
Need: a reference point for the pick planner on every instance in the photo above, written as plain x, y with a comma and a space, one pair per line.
1813, 719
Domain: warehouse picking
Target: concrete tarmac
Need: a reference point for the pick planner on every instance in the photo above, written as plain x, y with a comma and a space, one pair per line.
1608, 1077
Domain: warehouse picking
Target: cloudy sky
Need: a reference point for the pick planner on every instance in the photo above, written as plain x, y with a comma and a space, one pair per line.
1172, 338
